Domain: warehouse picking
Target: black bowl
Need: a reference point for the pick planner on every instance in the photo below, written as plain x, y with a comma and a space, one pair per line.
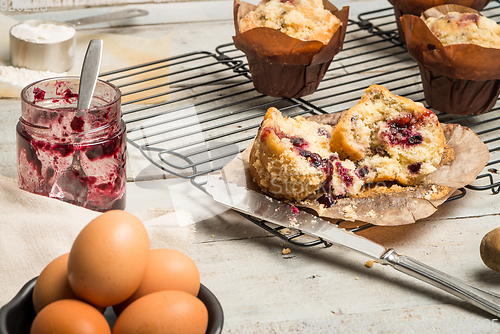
17, 315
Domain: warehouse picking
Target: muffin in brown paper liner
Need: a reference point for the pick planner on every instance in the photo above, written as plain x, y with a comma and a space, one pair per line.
417, 7
390, 204
282, 66
457, 79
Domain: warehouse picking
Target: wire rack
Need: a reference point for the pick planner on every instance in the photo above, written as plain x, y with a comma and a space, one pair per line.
191, 114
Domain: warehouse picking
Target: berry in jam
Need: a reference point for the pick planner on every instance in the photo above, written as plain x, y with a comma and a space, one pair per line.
77, 124
38, 94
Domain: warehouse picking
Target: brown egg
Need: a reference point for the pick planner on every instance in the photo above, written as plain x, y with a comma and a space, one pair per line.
173, 312
53, 284
69, 316
108, 258
167, 269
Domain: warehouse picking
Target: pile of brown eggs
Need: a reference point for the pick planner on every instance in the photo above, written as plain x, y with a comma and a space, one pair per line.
110, 264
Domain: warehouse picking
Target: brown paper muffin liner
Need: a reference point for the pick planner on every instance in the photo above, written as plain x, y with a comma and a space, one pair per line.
457, 79
282, 66
417, 7
456, 96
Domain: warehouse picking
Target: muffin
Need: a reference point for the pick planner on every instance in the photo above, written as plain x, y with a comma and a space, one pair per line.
417, 7
383, 138
306, 20
465, 28
396, 138
289, 45
291, 159
454, 46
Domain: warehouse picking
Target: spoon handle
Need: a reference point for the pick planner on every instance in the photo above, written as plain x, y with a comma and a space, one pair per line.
113, 16
90, 73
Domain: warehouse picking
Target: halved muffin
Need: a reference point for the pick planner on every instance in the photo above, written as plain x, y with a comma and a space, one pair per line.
397, 138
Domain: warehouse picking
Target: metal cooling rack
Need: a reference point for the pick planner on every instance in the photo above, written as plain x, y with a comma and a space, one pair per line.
191, 114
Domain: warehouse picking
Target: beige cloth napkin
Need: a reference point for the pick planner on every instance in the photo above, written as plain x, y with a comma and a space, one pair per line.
35, 229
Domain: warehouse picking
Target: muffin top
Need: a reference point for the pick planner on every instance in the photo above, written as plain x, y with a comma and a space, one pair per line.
306, 20
465, 28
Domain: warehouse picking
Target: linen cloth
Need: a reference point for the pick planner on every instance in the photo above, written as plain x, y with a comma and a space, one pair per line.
35, 229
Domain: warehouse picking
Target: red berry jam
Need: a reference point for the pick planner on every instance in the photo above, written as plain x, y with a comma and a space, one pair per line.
74, 156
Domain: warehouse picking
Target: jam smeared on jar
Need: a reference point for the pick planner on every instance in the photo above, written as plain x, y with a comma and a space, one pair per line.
38, 94
77, 124
76, 159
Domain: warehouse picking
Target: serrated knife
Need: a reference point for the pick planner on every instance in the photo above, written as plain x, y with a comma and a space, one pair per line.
271, 210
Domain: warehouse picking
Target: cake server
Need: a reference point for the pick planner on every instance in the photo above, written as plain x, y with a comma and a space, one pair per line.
271, 210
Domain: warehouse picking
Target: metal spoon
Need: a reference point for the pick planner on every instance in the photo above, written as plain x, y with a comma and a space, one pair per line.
71, 186
89, 74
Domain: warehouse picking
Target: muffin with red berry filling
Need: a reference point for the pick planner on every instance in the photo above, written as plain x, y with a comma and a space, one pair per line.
291, 159
306, 20
398, 139
289, 44
454, 47
465, 28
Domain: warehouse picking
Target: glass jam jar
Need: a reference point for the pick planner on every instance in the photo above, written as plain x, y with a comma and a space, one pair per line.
77, 156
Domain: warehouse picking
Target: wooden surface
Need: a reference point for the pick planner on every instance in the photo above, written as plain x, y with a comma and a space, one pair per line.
309, 290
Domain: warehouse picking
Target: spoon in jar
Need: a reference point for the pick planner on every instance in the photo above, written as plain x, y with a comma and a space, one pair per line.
72, 185
89, 75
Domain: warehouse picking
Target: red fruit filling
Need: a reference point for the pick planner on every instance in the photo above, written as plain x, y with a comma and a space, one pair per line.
327, 200
323, 132
467, 18
320, 163
362, 172
344, 174
298, 142
401, 131
415, 168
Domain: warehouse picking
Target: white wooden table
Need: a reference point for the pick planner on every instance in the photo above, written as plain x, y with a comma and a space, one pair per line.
309, 290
